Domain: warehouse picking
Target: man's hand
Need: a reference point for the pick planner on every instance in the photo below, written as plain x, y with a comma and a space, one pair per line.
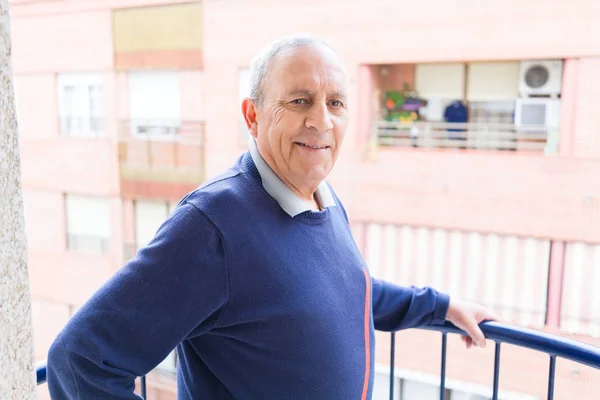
467, 317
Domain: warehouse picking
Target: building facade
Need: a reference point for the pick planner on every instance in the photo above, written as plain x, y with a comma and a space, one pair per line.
126, 105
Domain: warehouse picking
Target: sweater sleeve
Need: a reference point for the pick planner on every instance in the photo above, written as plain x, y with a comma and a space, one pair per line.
397, 307
174, 288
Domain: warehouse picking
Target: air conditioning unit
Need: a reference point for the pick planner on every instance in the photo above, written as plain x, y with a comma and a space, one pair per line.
540, 78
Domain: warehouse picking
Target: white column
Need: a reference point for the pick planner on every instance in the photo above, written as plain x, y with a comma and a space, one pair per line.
17, 375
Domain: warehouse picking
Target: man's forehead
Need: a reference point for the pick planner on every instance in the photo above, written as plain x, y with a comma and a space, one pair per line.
317, 57
309, 71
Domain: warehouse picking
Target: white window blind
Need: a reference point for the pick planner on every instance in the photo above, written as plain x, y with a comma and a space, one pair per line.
492, 81
443, 80
155, 102
88, 223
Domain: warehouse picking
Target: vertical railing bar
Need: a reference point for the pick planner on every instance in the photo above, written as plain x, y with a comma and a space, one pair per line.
551, 377
143, 379
496, 371
392, 363
443, 367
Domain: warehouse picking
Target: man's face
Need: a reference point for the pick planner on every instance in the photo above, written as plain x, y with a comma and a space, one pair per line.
302, 121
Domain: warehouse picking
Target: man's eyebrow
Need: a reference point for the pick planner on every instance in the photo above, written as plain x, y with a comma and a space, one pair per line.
338, 95
303, 92
309, 93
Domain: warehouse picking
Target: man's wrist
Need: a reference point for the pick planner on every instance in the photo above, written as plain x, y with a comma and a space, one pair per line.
442, 308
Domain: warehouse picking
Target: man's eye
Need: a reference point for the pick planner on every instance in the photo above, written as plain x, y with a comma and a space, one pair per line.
299, 101
337, 103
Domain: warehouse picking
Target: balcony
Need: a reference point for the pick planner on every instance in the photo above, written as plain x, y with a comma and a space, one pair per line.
154, 153
466, 136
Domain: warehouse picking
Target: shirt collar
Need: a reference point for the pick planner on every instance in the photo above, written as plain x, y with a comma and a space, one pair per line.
283, 195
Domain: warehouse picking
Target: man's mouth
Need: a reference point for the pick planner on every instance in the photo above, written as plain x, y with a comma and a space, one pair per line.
312, 147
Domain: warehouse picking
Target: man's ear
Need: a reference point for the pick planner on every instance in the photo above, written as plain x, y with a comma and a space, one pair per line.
249, 113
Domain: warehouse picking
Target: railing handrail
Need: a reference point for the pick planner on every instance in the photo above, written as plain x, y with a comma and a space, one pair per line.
41, 372
531, 339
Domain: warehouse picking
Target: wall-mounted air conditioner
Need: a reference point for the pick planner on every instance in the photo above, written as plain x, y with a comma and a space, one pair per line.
540, 78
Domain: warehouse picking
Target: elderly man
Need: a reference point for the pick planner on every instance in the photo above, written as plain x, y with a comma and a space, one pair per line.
255, 277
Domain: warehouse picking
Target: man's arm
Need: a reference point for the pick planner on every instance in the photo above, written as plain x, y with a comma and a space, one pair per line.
398, 307
176, 287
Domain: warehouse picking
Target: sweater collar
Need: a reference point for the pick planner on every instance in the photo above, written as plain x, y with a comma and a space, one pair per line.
283, 195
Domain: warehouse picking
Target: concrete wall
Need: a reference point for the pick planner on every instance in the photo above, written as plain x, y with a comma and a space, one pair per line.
17, 377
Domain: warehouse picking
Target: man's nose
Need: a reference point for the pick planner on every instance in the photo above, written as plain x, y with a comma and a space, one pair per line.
319, 118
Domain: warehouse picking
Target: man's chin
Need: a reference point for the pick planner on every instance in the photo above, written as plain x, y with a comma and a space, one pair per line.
315, 173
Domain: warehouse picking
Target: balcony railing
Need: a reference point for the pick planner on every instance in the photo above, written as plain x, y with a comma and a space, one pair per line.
554, 346
466, 136
89, 127
162, 150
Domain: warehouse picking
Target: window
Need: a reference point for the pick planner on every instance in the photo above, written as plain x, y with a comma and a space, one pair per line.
88, 224
149, 216
155, 103
244, 91
492, 88
81, 104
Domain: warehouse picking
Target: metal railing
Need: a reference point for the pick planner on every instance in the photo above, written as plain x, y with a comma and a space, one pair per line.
467, 136
161, 150
553, 345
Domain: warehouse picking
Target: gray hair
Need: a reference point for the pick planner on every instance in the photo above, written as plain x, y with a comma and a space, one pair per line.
261, 64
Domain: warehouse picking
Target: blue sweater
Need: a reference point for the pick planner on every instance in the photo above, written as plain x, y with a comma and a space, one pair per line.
260, 305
